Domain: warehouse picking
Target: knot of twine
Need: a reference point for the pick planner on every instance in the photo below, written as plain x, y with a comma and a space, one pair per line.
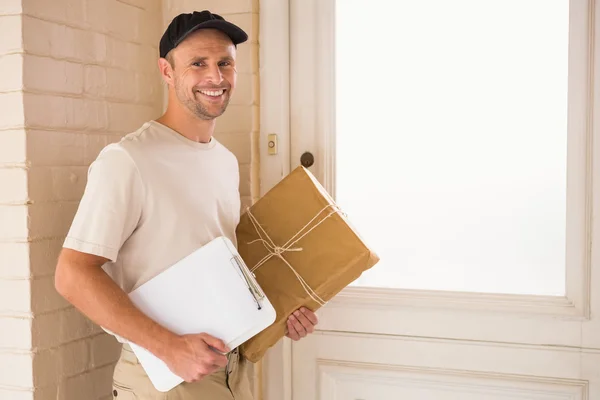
278, 251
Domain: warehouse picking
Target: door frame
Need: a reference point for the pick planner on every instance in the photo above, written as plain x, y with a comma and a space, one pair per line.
566, 321
275, 378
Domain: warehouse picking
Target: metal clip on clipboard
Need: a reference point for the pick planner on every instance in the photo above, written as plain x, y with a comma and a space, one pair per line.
250, 278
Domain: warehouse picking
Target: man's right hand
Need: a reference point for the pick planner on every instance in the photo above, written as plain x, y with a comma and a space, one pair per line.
192, 357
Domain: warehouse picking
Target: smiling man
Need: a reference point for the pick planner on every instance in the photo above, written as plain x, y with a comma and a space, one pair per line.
153, 198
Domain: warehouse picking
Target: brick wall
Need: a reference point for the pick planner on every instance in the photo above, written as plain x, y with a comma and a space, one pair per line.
77, 75
16, 368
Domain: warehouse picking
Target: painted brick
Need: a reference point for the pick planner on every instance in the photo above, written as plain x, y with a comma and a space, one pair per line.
174, 7
103, 382
122, 54
150, 32
12, 146
47, 393
125, 118
66, 325
52, 39
55, 147
141, 4
255, 113
95, 384
43, 255
244, 93
256, 92
17, 394
14, 261
249, 22
50, 75
92, 47
96, 15
95, 80
14, 185
121, 84
45, 298
53, 365
236, 119
48, 111
11, 7
95, 143
238, 144
77, 387
246, 58
15, 296
11, 66
255, 165
245, 180
11, 28
70, 11
16, 369
124, 20
146, 59
148, 87
11, 105
51, 219
105, 350
57, 183
38, 35
14, 223
15, 333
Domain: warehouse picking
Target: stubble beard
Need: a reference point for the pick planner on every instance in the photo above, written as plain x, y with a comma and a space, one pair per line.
195, 106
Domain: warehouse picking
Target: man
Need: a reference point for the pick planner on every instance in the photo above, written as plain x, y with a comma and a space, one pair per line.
153, 198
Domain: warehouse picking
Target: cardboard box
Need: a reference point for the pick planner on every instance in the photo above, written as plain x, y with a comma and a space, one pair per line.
302, 250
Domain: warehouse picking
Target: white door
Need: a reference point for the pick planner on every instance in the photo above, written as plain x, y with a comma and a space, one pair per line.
461, 139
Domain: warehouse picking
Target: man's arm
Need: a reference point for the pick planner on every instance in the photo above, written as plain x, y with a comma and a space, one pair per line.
81, 281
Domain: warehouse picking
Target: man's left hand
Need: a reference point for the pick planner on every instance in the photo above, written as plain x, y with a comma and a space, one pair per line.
301, 323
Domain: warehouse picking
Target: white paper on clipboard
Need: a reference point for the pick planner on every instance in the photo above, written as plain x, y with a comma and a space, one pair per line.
210, 291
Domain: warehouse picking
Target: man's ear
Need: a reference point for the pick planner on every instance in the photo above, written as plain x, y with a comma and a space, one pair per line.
166, 71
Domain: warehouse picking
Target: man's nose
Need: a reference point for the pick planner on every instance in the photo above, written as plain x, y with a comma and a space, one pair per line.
214, 75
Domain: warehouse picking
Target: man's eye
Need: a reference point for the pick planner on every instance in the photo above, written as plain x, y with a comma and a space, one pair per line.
225, 64
197, 64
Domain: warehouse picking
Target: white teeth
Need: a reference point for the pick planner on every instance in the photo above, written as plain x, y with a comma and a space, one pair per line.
214, 93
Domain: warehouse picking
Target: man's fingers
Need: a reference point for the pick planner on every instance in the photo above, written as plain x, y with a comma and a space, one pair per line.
292, 333
297, 326
216, 360
305, 322
312, 317
216, 343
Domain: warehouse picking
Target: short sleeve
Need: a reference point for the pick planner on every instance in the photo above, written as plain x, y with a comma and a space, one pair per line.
111, 206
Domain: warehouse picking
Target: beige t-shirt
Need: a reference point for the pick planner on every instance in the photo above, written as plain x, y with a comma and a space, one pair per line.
152, 199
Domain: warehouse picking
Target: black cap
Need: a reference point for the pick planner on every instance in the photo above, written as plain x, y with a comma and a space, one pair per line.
184, 24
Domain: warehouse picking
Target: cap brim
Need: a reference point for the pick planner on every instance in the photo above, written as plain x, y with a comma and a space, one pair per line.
235, 33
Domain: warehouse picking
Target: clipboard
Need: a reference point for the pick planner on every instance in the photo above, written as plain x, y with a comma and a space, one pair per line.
211, 291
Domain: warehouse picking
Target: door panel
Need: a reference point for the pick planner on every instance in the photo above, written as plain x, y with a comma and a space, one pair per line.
410, 368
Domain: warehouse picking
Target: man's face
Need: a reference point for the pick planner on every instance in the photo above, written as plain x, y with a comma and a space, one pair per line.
204, 74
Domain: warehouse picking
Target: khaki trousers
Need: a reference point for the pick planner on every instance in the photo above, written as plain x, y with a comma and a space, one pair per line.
130, 382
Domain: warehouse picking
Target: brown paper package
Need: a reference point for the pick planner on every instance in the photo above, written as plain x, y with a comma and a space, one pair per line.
328, 258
